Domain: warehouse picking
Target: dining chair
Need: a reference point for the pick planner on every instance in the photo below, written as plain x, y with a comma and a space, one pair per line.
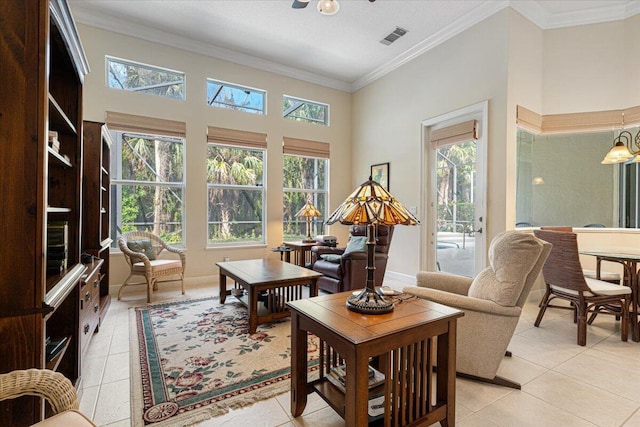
605, 276
564, 279
142, 250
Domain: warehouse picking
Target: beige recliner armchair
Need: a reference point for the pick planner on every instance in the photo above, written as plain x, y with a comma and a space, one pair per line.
492, 302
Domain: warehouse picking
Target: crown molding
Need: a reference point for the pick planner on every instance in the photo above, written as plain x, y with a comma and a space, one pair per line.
545, 20
129, 28
529, 9
478, 14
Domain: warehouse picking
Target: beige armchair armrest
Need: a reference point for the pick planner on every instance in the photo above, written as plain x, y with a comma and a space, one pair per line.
463, 302
50, 385
444, 282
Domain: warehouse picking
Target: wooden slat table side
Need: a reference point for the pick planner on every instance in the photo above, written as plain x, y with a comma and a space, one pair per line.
261, 275
356, 337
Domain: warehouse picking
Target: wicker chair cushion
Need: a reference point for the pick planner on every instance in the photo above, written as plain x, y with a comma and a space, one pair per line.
512, 256
607, 276
356, 244
598, 287
144, 246
158, 265
71, 418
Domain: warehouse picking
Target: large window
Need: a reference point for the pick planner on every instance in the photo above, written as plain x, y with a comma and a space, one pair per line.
135, 77
234, 97
305, 178
236, 187
303, 110
147, 181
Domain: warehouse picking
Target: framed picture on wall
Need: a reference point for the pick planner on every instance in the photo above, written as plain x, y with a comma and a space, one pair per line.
380, 174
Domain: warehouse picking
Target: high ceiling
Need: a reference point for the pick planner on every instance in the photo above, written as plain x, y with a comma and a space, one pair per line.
342, 51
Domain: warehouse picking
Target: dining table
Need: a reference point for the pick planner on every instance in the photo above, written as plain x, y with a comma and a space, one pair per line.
629, 261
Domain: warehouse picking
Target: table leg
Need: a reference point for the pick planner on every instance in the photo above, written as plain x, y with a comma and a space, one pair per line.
446, 376
287, 256
223, 287
298, 367
253, 310
313, 288
357, 390
635, 326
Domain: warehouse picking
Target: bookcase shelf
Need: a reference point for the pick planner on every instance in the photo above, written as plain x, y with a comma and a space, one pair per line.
42, 186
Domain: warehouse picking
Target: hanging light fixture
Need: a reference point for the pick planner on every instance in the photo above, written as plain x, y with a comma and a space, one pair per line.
623, 149
328, 7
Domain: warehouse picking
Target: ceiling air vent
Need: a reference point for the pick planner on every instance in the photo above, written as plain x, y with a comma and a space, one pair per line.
393, 36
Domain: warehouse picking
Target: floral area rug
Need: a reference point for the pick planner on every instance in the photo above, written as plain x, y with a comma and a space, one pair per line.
194, 359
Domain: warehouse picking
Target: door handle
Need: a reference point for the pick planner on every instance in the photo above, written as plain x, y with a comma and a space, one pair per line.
479, 230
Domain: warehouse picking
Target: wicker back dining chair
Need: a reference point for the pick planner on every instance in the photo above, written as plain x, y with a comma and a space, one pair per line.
141, 249
605, 276
564, 279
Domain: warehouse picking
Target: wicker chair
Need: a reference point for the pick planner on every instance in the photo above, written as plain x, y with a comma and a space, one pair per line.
564, 279
605, 276
54, 387
153, 270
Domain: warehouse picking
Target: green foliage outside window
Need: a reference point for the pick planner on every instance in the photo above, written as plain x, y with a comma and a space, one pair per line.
305, 111
456, 186
235, 178
142, 78
147, 185
304, 179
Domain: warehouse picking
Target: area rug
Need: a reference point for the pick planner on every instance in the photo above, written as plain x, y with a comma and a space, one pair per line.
192, 360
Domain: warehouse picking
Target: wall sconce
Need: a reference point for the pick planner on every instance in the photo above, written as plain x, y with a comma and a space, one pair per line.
623, 149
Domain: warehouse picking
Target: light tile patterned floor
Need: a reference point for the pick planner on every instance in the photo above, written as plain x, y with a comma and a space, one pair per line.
563, 384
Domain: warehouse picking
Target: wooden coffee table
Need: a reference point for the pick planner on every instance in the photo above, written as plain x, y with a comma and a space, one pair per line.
272, 282
415, 348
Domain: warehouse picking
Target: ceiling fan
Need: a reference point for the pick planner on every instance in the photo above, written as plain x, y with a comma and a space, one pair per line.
325, 7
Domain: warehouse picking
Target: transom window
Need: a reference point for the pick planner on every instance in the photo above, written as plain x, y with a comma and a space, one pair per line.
236, 194
305, 179
136, 77
303, 110
235, 97
147, 182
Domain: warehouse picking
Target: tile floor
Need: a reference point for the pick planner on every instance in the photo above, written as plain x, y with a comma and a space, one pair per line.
563, 384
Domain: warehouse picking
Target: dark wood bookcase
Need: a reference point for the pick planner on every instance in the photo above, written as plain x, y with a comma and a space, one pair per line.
42, 67
96, 239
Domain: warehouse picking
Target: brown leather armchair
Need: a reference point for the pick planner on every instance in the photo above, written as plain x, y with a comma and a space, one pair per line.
349, 272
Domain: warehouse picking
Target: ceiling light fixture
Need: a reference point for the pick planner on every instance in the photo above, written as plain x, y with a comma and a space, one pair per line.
328, 7
325, 7
623, 149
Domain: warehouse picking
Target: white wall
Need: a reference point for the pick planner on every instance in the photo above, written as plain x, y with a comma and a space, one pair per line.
509, 61
387, 116
194, 111
524, 88
584, 68
504, 59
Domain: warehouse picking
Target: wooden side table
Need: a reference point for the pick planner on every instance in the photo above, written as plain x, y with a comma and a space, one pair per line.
407, 343
302, 255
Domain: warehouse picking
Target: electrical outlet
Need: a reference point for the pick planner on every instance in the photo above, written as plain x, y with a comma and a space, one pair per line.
226, 259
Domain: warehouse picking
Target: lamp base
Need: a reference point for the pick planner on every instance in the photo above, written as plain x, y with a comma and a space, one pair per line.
369, 302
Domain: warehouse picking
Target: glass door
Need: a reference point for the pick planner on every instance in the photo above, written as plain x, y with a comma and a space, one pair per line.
455, 191
455, 208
